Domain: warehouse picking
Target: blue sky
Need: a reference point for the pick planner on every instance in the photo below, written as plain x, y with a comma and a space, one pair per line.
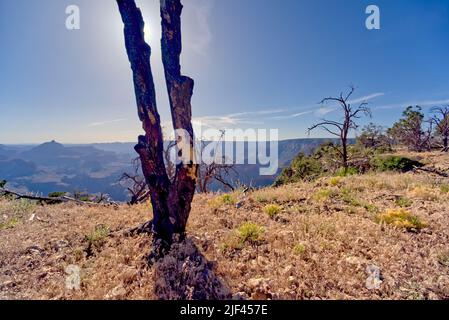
256, 63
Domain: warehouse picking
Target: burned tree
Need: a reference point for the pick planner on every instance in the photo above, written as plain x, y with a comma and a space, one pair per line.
171, 199
135, 184
216, 167
440, 119
341, 129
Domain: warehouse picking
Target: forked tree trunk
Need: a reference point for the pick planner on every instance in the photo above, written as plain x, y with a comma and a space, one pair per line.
171, 200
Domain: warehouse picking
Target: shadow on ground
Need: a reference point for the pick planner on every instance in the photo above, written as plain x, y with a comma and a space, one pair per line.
185, 274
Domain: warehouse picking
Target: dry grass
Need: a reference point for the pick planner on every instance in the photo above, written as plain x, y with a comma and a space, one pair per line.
318, 246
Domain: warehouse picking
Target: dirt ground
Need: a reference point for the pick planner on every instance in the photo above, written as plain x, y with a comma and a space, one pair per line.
376, 236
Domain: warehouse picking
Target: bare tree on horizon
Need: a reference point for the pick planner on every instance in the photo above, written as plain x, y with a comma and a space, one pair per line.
342, 128
440, 119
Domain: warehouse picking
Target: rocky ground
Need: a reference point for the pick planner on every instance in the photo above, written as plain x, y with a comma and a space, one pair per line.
376, 236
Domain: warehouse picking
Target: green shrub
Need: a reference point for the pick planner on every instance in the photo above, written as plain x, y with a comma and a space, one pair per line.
299, 249
444, 188
401, 219
302, 168
395, 163
347, 195
98, 236
2, 183
323, 195
348, 172
272, 210
250, 232
334, 181
9, 224
218, 202
228, 199
403, 202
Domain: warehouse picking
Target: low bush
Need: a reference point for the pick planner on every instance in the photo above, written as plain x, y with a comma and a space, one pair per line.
302, 168
272, 210
401, 218
403, 202
394, 163
250, 232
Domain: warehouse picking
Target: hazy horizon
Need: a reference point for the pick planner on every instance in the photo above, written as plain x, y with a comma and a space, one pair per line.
264, 68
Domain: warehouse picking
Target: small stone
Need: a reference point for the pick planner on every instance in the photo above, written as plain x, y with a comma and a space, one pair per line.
116, 293
35, 249
354, 260
288, 271
62, 244
291, 280
255, 283
239, 296
239, 204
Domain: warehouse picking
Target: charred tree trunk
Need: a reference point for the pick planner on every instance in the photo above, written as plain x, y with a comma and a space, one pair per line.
344, 143
171, 200
180, 91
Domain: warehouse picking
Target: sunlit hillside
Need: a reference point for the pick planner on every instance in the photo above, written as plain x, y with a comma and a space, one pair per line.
373, 236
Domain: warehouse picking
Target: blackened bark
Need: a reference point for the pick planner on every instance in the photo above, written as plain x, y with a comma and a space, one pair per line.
180, 91
171, 200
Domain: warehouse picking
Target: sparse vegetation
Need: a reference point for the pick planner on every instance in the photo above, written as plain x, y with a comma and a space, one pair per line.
97, 236
403, 202
425, 193
10, 223
223, 200
335, 181
401, 218
299, 249
350, 171
444, 188
332, 222
250, 232
272, 210
323, 195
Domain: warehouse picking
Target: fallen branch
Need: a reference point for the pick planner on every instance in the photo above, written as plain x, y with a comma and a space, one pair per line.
48, 200
146, 228
433, 171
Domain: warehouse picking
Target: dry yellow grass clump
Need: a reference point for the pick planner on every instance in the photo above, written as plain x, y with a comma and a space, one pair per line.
377, 236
